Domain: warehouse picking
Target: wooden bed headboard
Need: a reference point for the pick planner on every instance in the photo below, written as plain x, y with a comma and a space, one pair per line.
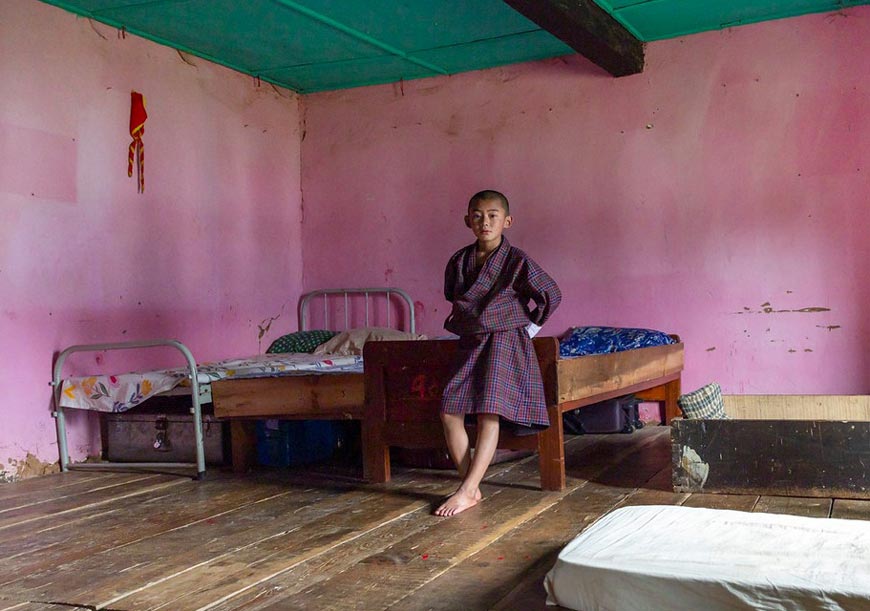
350, 297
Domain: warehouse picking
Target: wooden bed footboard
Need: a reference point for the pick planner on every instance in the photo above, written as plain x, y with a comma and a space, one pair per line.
404, 380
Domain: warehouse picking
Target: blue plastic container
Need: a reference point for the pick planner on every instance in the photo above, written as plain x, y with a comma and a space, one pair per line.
286, 443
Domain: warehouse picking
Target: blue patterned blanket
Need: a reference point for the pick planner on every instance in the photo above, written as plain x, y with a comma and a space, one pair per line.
580, 341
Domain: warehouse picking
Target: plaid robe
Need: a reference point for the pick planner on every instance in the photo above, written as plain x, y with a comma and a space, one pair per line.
497, 371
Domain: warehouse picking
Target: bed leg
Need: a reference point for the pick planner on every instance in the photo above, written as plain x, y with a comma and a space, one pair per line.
672, 393
60, 418
376, 454
551, 450
61, 438
243, 442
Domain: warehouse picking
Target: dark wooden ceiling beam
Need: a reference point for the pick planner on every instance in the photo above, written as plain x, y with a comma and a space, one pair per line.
589, 30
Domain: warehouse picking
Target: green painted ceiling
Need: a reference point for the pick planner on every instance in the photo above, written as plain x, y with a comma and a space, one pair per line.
659, 19
316, 45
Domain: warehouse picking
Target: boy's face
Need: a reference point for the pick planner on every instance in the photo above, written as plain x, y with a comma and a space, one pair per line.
487, 219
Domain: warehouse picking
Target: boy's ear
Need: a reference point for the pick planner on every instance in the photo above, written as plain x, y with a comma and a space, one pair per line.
508, 221
467, 221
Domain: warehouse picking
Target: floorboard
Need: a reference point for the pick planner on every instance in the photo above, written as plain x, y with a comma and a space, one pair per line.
736, 502
319, 538
27, 606
850, 509
795, 505
29, 513
59, 484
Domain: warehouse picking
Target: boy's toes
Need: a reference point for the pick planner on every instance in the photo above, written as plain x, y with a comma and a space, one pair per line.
457, 503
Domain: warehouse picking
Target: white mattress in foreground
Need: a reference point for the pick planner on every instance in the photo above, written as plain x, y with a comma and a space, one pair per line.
683, 558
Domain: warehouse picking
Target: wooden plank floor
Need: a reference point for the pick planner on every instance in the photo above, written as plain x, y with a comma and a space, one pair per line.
315, 539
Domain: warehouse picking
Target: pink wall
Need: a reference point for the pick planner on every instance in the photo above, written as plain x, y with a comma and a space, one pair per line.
716, 195
212, 248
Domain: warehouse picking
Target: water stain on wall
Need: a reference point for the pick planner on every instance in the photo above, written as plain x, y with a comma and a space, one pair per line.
38, 163
420, 312
454, 126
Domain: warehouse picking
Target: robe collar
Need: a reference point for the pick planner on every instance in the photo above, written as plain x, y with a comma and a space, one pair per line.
488, 274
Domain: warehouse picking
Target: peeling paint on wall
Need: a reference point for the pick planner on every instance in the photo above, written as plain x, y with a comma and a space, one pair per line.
264, 327
30, 466
766, 308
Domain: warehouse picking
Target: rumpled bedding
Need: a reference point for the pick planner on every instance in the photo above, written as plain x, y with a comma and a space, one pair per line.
118, 393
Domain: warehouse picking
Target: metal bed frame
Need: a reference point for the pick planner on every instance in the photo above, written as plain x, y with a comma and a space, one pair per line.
305, 303
195, 400
201, 392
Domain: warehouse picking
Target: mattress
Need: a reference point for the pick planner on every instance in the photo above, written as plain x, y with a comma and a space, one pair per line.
118, 393
682, 558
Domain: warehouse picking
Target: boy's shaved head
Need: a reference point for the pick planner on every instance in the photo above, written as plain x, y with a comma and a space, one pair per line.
487, 195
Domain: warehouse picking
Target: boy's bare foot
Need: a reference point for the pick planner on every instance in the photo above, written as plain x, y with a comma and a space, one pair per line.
458, 502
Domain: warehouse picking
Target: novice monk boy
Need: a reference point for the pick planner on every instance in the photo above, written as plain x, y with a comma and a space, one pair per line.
491, 284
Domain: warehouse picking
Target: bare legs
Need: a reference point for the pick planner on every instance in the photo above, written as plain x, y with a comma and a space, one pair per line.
471, 469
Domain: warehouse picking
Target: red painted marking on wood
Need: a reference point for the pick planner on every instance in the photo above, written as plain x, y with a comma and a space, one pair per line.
418, 385
425, 387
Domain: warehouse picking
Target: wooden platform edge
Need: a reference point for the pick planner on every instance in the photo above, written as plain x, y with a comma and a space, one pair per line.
809, 458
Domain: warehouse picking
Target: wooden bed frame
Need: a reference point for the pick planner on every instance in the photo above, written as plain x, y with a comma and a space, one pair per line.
403, 382
327, 396
321, 396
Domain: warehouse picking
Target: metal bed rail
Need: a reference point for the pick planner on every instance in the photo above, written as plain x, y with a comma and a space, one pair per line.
305, 302
196, 409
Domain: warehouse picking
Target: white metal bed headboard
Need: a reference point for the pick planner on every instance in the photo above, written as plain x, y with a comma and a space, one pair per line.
389, 292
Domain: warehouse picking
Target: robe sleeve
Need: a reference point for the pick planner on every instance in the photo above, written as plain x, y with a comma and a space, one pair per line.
532, 283
450, 273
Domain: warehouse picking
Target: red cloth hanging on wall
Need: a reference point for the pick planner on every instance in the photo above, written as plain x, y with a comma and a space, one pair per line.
137, 147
